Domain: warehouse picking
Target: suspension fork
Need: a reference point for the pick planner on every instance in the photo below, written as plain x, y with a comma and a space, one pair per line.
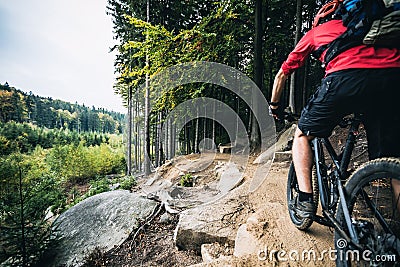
348, 149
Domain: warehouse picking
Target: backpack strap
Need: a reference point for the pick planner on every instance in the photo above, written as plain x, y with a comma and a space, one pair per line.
358, 20
317, 53
344, 42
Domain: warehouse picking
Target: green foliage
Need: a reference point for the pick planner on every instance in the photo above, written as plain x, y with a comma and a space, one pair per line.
25, 195
218, 31
32, 184
127, 182
186, 180
24, 137
18, 106
77, 163
102, 184
98, 186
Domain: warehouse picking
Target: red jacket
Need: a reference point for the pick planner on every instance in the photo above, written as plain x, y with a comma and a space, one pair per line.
357, 57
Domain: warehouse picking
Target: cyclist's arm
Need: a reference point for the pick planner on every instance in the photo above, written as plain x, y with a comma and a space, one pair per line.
279, 84
294, 60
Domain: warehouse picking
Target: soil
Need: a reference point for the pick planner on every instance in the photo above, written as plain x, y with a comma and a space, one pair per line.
154, 246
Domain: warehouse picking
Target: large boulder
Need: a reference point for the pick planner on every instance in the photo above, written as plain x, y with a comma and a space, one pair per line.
99, 222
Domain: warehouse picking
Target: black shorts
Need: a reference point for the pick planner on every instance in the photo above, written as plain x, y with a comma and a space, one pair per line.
373, 92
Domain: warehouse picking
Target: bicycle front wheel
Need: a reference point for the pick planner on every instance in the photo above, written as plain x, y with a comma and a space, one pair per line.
373, 200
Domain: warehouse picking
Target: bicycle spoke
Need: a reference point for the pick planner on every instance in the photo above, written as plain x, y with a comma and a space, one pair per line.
376, 212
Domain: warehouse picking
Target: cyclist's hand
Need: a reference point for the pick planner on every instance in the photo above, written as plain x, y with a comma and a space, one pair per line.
277, 112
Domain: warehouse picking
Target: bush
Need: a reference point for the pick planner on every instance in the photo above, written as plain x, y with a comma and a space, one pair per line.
98, 186
128, 182
25, 195
77, 163
186, 180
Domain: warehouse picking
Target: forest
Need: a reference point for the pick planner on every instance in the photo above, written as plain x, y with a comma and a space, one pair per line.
253, 37
20, 107
53, 154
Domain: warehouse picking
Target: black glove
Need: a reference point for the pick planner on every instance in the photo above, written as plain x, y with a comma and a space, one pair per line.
278, 113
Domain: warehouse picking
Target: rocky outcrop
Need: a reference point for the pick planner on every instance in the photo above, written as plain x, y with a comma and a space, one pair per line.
281, 145
214, 222
99, 222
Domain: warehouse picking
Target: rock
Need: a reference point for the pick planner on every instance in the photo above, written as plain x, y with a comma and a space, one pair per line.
206, 254
176, 192
102, 221
246, 243
49, 215
166, 218
230, 177
282, 143
283, 156
215, 222
114, 186
211, 252
151, 180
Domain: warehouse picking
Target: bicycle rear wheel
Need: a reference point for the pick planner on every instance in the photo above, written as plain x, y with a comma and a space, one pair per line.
373, 199
292, 194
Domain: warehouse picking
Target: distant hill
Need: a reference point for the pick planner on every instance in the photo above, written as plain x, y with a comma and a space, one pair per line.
18, 106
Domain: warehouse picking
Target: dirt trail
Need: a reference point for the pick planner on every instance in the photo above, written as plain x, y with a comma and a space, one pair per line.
277, 241
281, 242
265, 229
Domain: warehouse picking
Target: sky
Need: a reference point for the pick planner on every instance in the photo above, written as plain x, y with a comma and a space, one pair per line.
59, 49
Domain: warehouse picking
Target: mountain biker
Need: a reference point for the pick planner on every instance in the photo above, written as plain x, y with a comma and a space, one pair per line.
361, 79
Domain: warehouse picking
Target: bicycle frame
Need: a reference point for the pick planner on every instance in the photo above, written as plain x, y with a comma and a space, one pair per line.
341, 163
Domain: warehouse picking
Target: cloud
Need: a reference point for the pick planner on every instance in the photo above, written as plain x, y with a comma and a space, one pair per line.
59, 49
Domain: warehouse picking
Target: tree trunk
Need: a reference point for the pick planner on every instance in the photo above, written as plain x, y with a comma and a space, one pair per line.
166, 140
137, 140
129, 150
171, 139
22, 221
258, 73
213, 125
205, 126
187, 139
158, 140
196, 137
292, 92
147, 112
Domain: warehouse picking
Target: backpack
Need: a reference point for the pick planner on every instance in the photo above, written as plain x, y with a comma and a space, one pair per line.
371, 22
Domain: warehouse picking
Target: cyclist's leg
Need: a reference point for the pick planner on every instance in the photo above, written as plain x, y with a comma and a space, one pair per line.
336, 97
302, 160
318, 118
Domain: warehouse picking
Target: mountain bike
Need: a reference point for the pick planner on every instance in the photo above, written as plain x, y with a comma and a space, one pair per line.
362, 207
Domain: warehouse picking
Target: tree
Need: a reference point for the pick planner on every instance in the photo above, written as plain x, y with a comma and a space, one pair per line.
254, 37
299, 11
258, 71
146, 147
25, 196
